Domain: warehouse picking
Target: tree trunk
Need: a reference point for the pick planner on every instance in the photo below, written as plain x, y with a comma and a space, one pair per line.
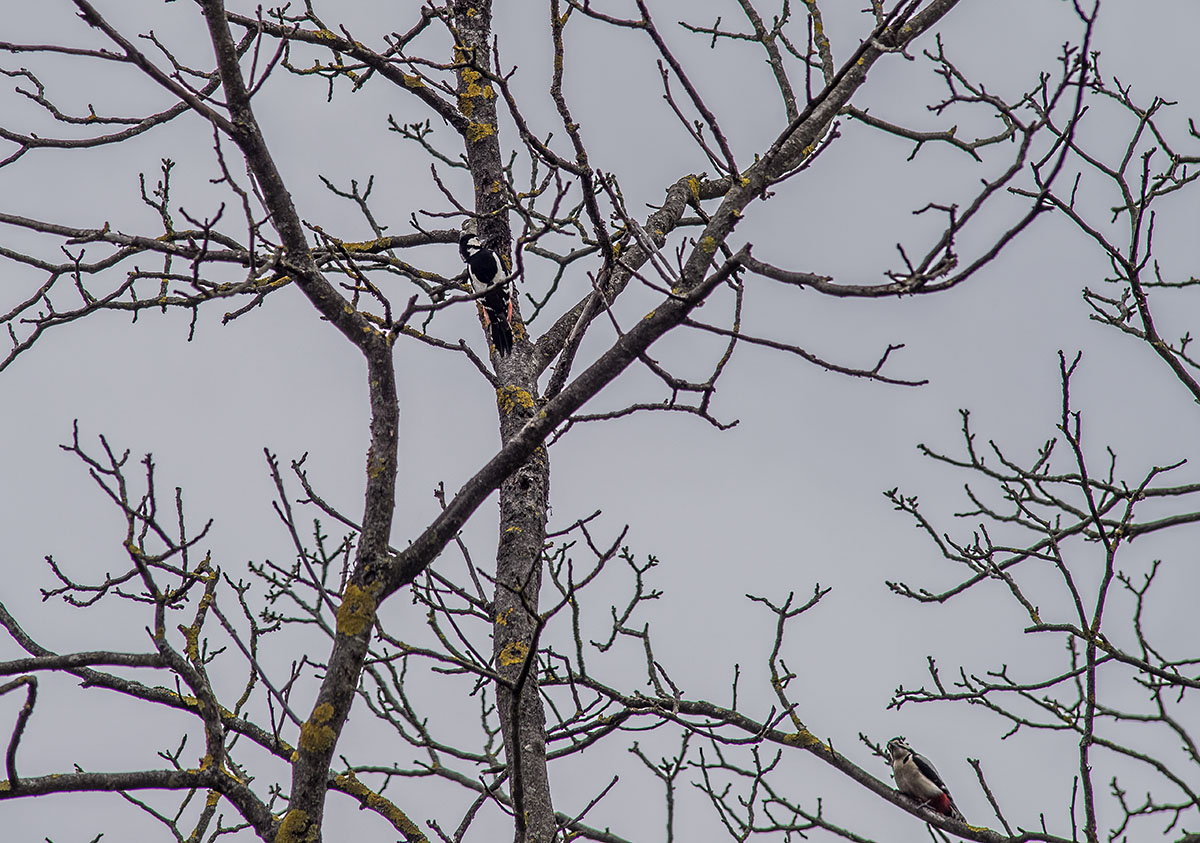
524, 495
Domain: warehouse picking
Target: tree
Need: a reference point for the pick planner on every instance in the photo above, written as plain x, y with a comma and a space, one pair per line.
607, 297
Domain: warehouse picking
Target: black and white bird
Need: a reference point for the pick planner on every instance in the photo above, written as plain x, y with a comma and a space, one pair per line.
917, 777
488, 276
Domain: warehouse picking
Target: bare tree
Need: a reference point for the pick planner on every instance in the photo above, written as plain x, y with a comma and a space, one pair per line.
544, 662
1121, 687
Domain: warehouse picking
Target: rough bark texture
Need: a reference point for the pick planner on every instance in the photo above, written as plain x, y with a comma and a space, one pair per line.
356, 616
524, 496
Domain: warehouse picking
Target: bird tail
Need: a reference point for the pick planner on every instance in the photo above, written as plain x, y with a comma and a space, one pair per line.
945, 805
502, 336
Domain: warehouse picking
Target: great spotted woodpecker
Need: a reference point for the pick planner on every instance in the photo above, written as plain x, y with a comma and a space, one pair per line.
488, 276
917, 777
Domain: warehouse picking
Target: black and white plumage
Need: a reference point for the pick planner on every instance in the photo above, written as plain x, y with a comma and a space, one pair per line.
917, 777
488, 276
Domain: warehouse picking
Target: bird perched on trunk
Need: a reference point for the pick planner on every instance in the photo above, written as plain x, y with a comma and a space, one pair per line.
917, 777
488, 276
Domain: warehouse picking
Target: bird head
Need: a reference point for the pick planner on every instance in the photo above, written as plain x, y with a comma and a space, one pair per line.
898, 749
469, 242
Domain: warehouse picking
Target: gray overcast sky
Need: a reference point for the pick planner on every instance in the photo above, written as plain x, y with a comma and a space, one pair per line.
788, 498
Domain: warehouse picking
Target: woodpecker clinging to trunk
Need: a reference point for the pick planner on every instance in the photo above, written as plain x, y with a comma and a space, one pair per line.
917, 777
488, 276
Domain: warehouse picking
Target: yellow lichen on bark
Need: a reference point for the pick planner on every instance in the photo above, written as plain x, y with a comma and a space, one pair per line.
357, 612
191, 637
513, 653
364, 246
478, 131
295, 828
472, 91
316, 735
508, 398
381, 806
805, 739
375, 466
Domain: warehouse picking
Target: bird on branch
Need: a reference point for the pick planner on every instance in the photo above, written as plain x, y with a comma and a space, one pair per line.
917, 777
490, 281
